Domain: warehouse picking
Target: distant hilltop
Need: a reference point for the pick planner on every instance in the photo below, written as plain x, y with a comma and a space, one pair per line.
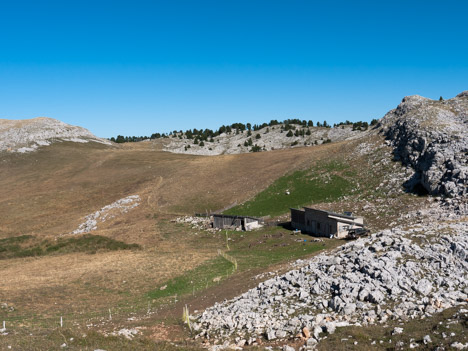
287, 134
29, 134
241, 138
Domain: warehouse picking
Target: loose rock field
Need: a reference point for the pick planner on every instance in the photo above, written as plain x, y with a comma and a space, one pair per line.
395, 274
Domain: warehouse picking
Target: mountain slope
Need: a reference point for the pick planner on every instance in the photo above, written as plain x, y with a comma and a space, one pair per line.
414, 269
50, 193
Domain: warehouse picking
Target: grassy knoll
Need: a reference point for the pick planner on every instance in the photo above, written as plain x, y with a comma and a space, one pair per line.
28, 245
326, 183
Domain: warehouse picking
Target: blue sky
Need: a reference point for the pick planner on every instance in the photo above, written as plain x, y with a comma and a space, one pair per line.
138, 67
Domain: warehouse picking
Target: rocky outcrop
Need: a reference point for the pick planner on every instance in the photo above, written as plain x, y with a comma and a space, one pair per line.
269, 138
30, 134
432, 137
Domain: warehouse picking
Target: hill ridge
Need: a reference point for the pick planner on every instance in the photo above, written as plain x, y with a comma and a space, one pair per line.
26, 135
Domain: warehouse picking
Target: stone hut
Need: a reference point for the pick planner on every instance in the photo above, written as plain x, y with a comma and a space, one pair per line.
236, 222
324, 223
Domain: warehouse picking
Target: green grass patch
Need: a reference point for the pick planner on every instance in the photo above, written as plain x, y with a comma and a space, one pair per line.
252, 250
304, 187
194, 280
28, 245
270, 252
273, 245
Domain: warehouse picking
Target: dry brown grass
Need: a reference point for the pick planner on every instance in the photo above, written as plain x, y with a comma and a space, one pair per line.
47, 193
76, 282
50, 191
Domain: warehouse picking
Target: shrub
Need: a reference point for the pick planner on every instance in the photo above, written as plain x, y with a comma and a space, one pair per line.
255, 148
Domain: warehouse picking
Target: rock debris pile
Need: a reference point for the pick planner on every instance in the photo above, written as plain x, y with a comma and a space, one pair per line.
201, 223
394, 274
432, 137
107, 212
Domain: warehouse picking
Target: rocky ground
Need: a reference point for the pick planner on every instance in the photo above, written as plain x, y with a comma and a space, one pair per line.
271, 138
407, 272
30, 134
400, 274
110, 211
199, 223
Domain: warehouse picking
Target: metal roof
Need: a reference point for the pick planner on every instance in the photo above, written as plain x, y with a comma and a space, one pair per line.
234, 216
332, 213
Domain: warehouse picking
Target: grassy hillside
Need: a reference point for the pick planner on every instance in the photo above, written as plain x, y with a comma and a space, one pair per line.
48, 192
324, 183
141, 265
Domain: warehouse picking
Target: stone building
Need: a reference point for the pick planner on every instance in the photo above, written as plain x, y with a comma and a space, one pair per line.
236, 222
324, 223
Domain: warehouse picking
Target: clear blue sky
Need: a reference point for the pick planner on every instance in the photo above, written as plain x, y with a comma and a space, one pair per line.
138, 67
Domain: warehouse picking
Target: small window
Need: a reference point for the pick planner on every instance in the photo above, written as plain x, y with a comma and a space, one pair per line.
318, 225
